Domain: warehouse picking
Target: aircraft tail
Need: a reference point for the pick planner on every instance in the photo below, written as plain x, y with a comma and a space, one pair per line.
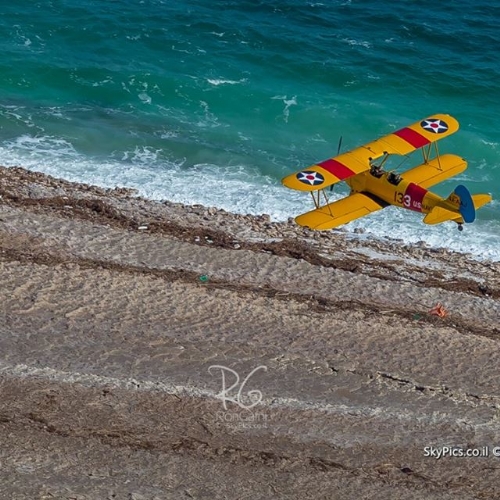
460, 207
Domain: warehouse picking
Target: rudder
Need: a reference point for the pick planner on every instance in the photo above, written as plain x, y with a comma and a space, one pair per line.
466, 205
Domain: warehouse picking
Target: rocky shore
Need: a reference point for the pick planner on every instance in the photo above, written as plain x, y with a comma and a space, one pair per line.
122, 321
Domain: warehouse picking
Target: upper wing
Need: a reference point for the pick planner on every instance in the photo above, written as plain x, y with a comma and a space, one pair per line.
340, 212
416, 136
436, 171
358, 160
329, 172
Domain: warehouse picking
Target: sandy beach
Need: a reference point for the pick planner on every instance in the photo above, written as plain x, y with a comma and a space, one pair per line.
123, 320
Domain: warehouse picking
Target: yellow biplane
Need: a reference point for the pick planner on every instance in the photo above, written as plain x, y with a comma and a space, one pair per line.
373, 188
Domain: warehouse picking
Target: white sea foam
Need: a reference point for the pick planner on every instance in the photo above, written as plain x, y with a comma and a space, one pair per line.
103, 82
145, 98
222, 81
492, 144
287, 102
209, 119
357, 43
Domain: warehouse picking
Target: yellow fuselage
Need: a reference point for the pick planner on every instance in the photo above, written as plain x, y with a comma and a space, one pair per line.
393, 191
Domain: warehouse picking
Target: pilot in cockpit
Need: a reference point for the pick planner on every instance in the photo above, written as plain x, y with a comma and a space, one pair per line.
377, 171
394, 178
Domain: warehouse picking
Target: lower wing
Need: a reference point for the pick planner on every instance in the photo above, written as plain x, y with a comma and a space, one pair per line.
436, 170
340, 212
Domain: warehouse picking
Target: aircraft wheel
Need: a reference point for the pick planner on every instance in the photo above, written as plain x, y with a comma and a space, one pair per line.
460, 227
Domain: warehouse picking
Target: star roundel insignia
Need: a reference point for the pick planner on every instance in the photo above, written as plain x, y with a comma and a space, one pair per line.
310, 177
434, 125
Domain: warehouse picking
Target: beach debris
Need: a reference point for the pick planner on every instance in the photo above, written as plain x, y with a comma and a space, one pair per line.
208, 240
439, 310
203, 278
143, 227
197, 239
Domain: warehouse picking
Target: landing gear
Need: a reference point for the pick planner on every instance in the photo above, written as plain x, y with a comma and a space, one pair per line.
460, 227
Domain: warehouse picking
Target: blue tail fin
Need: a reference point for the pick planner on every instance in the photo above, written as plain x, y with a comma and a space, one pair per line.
466, 208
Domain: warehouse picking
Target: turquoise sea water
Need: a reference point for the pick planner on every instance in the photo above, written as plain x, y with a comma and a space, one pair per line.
213, 102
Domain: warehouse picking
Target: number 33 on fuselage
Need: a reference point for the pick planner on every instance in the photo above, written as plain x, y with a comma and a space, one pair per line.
372, 188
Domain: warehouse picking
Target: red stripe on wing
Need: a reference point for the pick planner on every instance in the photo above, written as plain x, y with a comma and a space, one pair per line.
412, 137
336, 168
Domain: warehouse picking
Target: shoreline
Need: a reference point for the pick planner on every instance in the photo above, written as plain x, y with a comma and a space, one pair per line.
115, 309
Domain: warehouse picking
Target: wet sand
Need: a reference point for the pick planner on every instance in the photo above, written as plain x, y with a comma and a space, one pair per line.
116, 312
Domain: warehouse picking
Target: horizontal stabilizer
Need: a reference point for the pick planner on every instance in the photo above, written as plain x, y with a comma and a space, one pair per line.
480, 200
340, 212
440, 214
